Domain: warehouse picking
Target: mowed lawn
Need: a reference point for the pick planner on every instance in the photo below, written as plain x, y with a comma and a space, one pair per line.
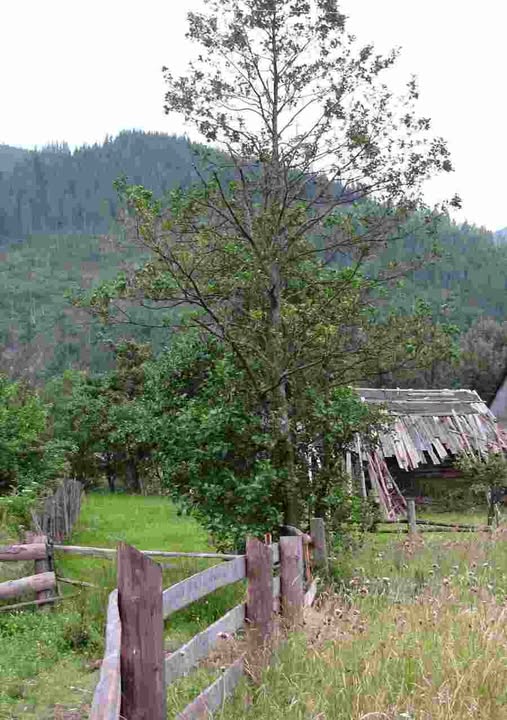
49, 659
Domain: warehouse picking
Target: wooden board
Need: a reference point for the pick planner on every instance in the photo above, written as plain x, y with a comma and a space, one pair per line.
80, 550
183, 660
292, 575
32, 551
310, 594
111, 552
318, 531
259, 568
107, 696
32, 583
214, 696
197, 586
143, 694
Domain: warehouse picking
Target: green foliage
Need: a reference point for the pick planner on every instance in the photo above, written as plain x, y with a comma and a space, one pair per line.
483, 472
210, 445
28, 457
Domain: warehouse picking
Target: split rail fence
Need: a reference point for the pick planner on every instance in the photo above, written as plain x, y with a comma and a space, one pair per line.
135, 670
42, 582
54, 521
415, 526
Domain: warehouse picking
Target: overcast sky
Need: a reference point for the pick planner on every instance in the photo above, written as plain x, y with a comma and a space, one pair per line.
77, 71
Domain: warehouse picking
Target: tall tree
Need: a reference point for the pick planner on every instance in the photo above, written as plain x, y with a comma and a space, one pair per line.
315, 167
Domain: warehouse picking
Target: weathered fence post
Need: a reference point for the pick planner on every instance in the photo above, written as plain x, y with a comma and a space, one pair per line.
42, 566
318, 533
412, 522
259, 572
142, 637
292, 577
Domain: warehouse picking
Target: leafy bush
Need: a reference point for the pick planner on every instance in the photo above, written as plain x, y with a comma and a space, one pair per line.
484, 472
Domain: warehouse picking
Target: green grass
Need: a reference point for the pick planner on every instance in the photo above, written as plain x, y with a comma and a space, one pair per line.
49, 659
417, 627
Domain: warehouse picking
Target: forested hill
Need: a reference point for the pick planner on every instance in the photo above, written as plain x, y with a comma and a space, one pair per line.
57, 203
55, 190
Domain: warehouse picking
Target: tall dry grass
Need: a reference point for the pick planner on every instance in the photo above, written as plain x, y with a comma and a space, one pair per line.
418, 631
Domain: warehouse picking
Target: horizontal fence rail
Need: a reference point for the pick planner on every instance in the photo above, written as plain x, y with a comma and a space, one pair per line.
182, 661
43, 582
32, 583
111, 552
18, 553
201, 584
215, 695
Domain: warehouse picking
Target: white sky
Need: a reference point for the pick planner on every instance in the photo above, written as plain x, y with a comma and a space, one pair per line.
77, 71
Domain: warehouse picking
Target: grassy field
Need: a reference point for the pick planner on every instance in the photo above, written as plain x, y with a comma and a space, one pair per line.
50, 659
417, 631
412, 630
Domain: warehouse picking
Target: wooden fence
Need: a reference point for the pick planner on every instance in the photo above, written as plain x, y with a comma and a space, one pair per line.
135, 671
415, 526
53, 521
59, 512
42, 582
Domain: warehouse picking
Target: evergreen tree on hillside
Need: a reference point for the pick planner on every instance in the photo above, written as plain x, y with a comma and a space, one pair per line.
54, 190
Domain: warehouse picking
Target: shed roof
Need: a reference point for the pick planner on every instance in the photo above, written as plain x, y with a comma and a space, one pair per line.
430, 426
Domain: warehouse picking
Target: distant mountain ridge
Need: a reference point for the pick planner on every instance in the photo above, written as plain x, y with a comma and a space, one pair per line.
54, 190
56, 206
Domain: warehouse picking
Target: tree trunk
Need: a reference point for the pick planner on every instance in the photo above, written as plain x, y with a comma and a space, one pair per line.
131, 475
111, 478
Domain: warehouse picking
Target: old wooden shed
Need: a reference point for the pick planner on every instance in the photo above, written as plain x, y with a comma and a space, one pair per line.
429, 429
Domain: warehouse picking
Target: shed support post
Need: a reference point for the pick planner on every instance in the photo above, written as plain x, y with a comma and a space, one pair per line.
412, 522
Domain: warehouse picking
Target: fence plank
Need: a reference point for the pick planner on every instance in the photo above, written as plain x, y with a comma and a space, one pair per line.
275, 553
30, 551
59, 511
292, 575
318, 533
259, 569
107, 696
35, 583
183, 660
197, 586
276, 594
310, 594
142, 636
214, 696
